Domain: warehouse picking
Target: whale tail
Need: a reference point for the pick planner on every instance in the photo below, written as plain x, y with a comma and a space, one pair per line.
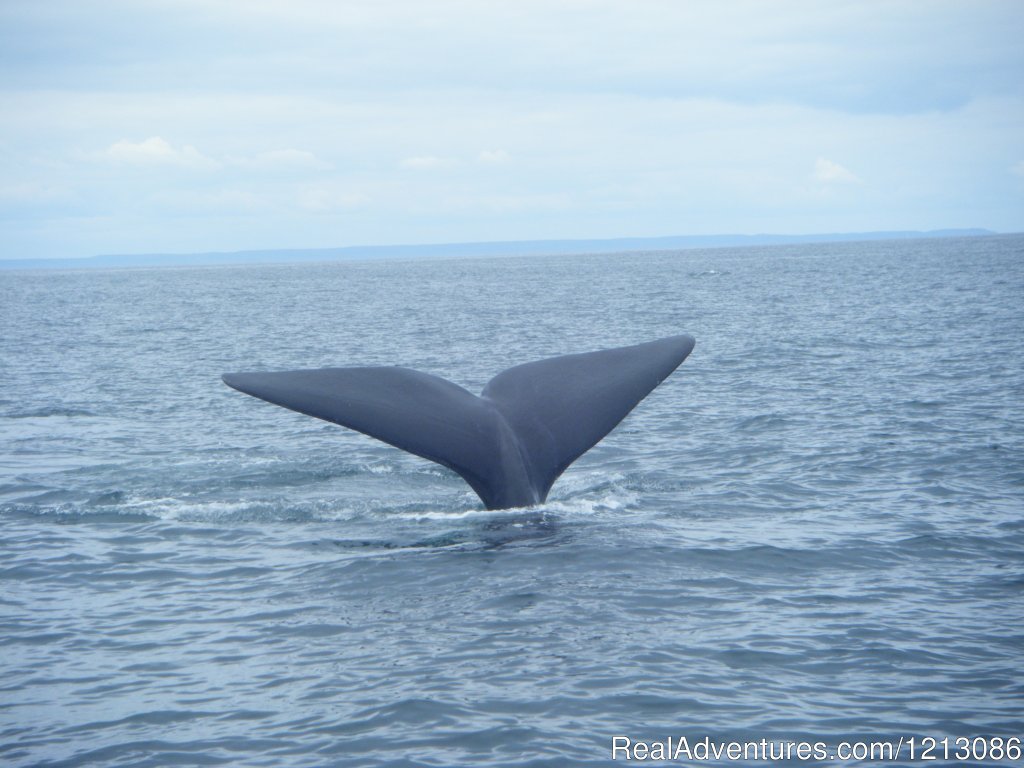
512, 441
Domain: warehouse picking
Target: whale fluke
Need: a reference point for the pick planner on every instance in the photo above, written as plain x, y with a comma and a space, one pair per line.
512, 441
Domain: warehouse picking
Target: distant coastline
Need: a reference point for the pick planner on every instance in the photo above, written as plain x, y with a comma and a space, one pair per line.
469, 250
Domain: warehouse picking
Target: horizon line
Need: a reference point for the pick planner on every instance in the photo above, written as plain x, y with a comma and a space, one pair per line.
479, 248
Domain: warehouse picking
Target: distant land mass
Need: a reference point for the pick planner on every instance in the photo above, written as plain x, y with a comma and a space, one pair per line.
463, 250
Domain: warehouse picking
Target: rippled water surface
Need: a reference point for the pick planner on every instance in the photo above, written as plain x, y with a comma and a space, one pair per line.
812, 530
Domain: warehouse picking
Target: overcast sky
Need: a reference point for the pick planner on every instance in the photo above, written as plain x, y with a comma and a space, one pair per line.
171, 125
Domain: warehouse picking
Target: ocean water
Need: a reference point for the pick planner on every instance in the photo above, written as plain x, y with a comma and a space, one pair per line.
813, 530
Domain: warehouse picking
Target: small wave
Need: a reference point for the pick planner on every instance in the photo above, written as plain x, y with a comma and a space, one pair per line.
584, 495
248, 511
455, 514
12, 489
762, 421
925, 405
120, 505
586, 506
66, 513
108, 498
709, 273
47, 412
407, 470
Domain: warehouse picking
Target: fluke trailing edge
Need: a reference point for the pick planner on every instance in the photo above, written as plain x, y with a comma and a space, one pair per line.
512, 441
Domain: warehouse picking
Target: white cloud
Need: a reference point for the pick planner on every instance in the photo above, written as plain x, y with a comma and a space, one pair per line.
1018, 169
34, 192
843, 55
157, 151
493, 156
427, 162
282, 160
498, 203
831, 172
327, 198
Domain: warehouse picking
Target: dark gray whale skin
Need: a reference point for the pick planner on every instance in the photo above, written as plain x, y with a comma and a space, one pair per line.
512, 441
